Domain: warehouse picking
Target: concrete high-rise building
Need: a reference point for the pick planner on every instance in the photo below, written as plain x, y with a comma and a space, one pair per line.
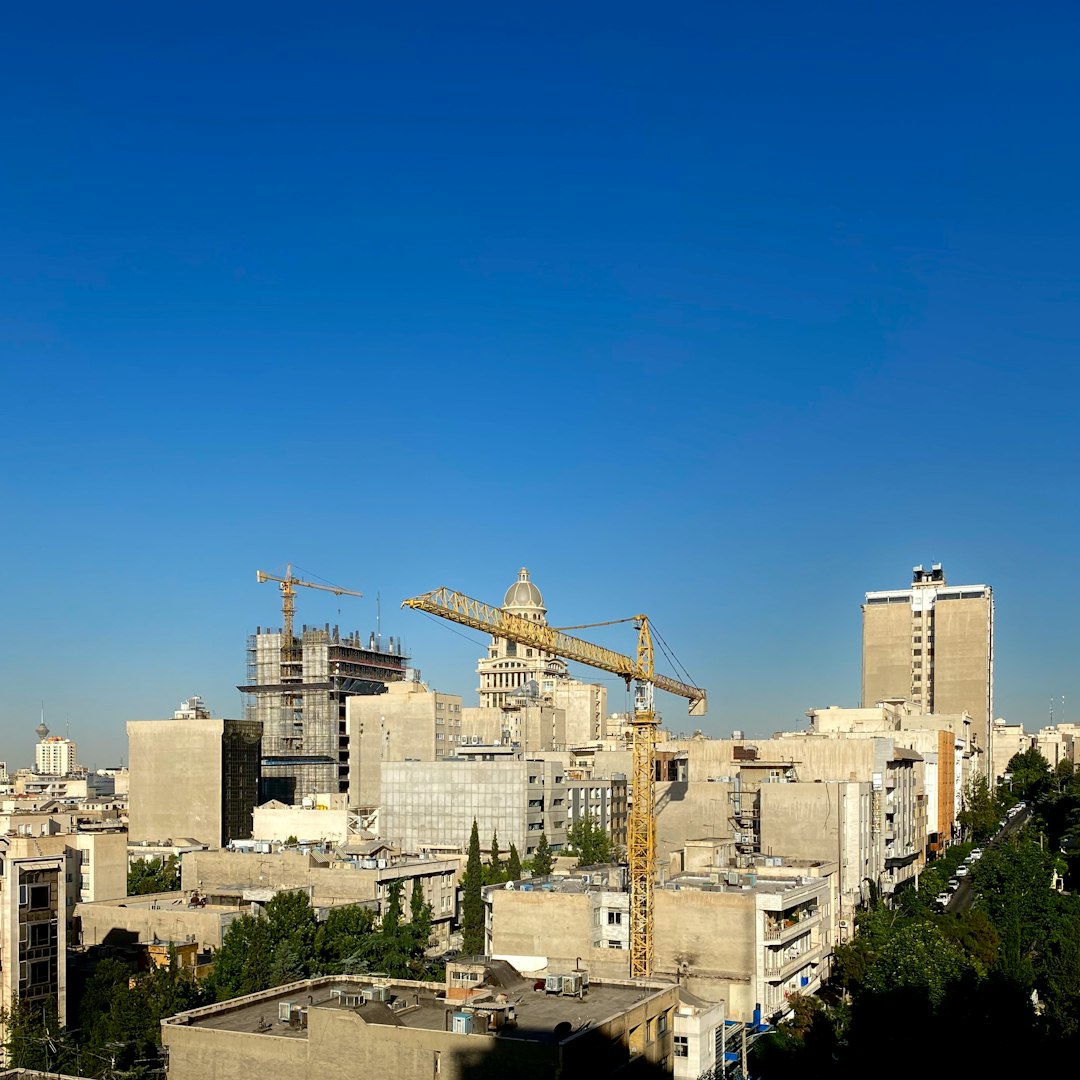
56, 756
933, 644
297, 690
193, 777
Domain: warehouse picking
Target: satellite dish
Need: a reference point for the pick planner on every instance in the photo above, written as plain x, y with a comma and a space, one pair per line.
564, 1029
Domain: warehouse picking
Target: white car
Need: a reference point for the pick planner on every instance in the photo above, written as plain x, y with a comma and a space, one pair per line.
961, 871
942, 899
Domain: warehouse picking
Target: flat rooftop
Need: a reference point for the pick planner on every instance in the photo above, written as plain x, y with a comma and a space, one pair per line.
424, 1006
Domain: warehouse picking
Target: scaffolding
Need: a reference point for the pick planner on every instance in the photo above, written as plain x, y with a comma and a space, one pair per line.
297, 690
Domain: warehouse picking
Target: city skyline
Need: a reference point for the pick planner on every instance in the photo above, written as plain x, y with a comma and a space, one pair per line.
726, 318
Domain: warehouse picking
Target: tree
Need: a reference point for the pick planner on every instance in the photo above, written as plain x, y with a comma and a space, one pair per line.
496, 860
472, 905
153, 876
1030, 773
513, 865
589, 841
343, 942
542, 860
979, 815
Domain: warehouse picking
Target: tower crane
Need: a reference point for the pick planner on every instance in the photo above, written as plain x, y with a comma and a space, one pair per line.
288, 598
640, 670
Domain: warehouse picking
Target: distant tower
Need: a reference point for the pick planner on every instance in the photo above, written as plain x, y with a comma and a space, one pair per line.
932, 644
509, 668
41, 731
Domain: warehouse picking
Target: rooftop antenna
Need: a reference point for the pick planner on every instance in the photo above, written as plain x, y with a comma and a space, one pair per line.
378, 619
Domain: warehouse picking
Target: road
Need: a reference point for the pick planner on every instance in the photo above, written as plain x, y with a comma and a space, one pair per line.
963, 898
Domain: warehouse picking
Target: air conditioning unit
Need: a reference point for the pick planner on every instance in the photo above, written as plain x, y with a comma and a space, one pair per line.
284, 1010
842, 924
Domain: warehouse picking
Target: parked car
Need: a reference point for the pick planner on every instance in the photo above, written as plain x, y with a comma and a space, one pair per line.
942, 899
961, 871
976, 854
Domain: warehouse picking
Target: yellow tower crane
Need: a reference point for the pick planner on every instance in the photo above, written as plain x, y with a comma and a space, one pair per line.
641, 670
288, 599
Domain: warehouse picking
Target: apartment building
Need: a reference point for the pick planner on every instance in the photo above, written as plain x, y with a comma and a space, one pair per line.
933, 644
746, 937
33, 926
484, 1021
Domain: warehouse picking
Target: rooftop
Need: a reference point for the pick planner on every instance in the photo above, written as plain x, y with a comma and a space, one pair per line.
517, 1010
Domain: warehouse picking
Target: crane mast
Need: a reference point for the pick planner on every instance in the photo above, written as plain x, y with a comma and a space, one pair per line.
641, 831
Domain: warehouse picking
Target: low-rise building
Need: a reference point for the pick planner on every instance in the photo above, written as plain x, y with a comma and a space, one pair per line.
330, 879
484, 1021
748, 938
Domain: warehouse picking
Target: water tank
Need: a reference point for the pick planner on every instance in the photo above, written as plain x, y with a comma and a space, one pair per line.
462, 1023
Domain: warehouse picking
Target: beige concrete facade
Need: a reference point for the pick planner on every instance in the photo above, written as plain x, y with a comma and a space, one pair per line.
330, 882
157, 917
933, 644
408, 722
1009, 740
196, 778
767, 935
33, 924
407, 1030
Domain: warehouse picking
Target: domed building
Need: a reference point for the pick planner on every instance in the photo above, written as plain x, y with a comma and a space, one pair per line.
513, 673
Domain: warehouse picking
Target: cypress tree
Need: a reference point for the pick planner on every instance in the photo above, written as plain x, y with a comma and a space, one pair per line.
513, 865
542, 861
472, 906
496, 859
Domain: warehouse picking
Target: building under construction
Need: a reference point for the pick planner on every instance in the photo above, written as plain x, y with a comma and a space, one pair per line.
296, 688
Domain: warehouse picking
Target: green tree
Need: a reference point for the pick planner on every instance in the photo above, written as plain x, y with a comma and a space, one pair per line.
1030, 774
917, 957
153, 876
590, 842
343, 942
513, 865
35, 1039
542, 860
472, 905
496, 860
241, 964
979, 814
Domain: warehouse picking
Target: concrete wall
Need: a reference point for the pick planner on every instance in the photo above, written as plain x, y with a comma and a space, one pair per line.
171, 920
176, 779
408, 721
962, 662
886, 652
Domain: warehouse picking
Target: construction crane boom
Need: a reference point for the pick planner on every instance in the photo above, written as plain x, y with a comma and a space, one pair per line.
288, 595
462, 609
459, 608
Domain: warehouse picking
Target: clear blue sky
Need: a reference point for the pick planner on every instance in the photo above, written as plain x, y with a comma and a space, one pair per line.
726, 313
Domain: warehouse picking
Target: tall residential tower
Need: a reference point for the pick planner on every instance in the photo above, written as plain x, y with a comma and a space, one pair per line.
933, 644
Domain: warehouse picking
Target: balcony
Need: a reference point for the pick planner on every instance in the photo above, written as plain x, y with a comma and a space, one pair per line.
790, 927
789, 967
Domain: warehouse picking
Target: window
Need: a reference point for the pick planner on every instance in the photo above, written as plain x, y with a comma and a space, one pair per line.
39, 897
661, 1024
682, 1048
40, 934
614, 918
39, 972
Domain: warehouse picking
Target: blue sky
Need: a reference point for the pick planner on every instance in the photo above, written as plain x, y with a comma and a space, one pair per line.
725, 315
